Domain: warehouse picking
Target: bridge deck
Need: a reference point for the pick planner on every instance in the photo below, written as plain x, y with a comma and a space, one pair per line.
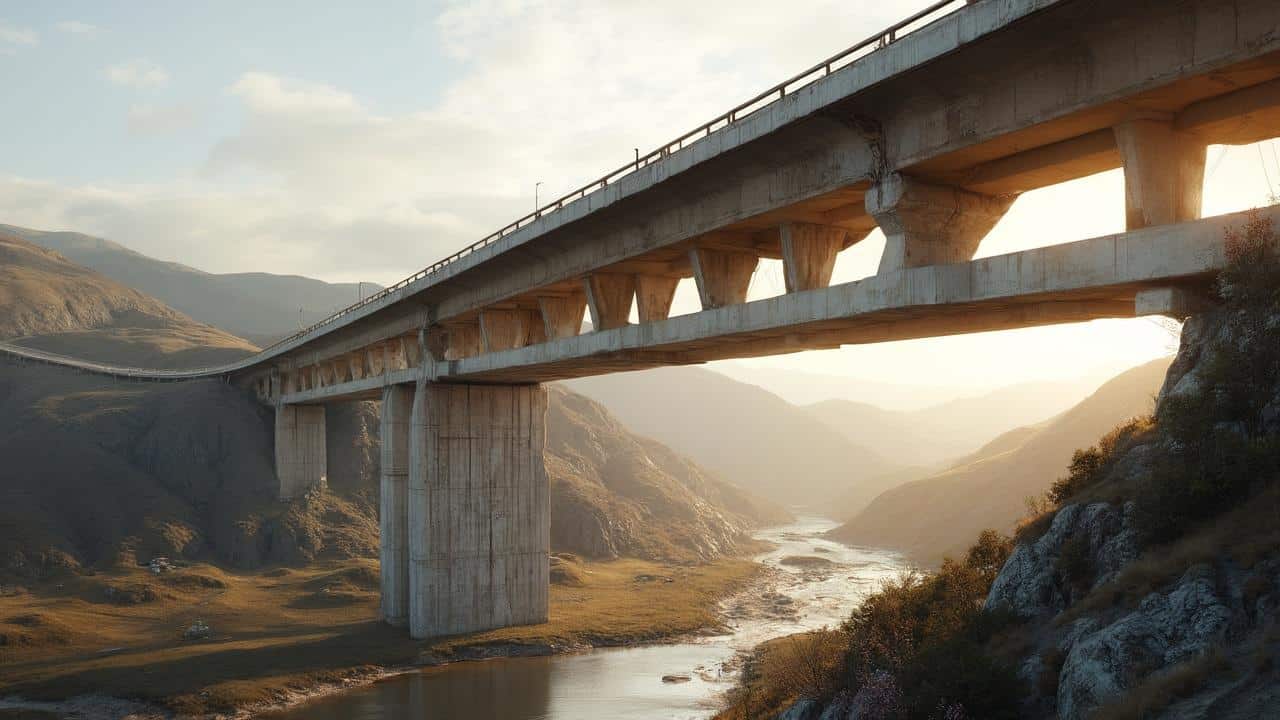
1086, 280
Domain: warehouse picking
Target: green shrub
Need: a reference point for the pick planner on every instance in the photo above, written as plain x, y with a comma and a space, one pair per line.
1089, 466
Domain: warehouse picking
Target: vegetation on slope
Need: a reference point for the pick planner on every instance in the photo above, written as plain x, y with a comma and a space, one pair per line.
935, 516
1147, 589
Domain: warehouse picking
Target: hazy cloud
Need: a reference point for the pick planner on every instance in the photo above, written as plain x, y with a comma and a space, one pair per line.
12, 38
149, 119
76, 27
138, 73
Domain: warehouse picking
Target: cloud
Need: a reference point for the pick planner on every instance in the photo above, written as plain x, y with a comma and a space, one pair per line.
13, 38
76, 27
317, 179
146, 119
140, 73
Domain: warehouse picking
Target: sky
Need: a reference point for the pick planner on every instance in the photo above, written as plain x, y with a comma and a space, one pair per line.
347, 144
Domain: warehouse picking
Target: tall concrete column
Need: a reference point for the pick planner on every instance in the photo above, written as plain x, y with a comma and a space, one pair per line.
809, 254
479, 508
300, 449
1163, 172
926, 224
723, 276
393, 513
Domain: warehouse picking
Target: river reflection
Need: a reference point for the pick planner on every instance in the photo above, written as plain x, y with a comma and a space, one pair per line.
627, 682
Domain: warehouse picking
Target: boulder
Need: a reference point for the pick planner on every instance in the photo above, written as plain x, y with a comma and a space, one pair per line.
1166, 629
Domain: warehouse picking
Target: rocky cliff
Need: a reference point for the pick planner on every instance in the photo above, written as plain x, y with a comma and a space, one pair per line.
1149, 587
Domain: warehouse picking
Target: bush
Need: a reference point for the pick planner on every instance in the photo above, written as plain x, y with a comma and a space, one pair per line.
1217, 451
929, 633
1089, 466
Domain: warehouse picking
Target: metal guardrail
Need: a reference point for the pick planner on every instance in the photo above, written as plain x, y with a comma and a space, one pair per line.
765, 99
122, 371
774, 94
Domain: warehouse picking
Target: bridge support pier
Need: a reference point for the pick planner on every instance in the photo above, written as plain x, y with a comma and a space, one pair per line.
723, 276
393, 512
300, 449
478, 508
809, 254
1163, 172
609, 296
926, 224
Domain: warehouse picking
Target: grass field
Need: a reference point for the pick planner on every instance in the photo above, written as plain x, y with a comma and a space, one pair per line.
280, 631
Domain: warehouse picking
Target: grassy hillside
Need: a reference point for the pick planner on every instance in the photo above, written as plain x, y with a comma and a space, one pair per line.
740, 431
259, 306
941, 514
50, 303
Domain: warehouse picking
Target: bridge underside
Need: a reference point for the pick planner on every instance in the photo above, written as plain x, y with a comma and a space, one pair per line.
1156, 270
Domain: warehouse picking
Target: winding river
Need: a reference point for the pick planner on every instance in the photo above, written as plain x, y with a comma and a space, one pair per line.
627, 682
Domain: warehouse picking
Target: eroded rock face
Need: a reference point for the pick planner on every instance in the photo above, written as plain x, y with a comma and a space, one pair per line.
1030, 585
1166, 629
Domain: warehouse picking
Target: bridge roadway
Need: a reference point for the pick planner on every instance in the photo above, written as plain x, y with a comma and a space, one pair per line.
928, 131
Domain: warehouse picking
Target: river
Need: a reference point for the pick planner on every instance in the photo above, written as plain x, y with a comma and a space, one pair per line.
627, 682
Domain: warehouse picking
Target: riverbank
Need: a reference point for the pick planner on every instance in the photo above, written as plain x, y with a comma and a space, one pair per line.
280, 636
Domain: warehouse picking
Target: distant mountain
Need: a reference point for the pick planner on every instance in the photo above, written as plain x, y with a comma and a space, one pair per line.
257, 306
941, 434
97, 472
50, 303
942, 513
742, 432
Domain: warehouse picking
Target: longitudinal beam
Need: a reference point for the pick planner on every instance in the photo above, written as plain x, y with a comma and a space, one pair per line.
1085, 280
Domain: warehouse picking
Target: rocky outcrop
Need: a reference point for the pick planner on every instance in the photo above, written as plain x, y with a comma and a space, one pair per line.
1148, 626
1168, 628
1032, 584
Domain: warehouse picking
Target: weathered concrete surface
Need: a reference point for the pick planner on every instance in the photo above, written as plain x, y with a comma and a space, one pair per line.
301, 462
393, 511
562, 315
479, 508
654, 294
1163, 172
1074, 282
926, 224
809, 254
723, 276
609, 297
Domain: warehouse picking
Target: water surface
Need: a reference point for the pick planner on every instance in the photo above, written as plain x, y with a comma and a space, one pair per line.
627, 682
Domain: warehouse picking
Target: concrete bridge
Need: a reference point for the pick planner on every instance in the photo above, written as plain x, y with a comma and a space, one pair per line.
928, 131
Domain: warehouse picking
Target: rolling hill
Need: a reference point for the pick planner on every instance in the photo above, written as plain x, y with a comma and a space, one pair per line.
102, 473
942, 513
740, 431
50, 303
260, 307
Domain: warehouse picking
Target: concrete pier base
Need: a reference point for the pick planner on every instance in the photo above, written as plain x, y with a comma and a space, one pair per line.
300, 449
479, 508
393, 512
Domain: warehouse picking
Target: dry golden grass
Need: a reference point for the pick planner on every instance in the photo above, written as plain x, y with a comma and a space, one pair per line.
1245, 534
276, 630
781, 671
1163, 689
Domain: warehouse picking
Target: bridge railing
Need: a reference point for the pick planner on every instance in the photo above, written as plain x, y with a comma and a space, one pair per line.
774, 94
